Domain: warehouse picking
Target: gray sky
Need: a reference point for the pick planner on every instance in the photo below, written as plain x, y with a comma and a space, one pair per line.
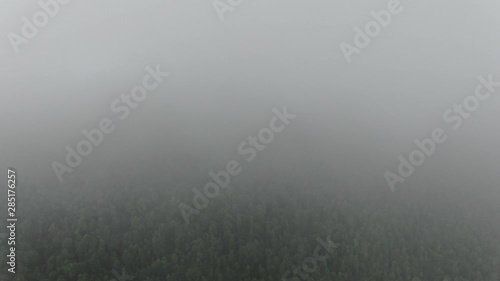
227, 76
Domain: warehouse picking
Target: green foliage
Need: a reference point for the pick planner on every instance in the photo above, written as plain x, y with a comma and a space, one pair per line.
257, 230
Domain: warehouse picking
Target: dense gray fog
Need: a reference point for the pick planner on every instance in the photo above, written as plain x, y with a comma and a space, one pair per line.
227, 76
250, 140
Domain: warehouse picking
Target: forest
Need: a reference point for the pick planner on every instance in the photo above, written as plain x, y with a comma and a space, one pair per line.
270, 224
241, 140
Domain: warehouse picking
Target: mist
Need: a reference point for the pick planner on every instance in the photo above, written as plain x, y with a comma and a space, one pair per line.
231, 66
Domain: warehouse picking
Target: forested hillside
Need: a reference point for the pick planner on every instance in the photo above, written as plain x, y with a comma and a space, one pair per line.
260, 228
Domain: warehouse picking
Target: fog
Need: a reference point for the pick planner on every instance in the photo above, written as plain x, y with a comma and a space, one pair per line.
227, 76
353, 120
